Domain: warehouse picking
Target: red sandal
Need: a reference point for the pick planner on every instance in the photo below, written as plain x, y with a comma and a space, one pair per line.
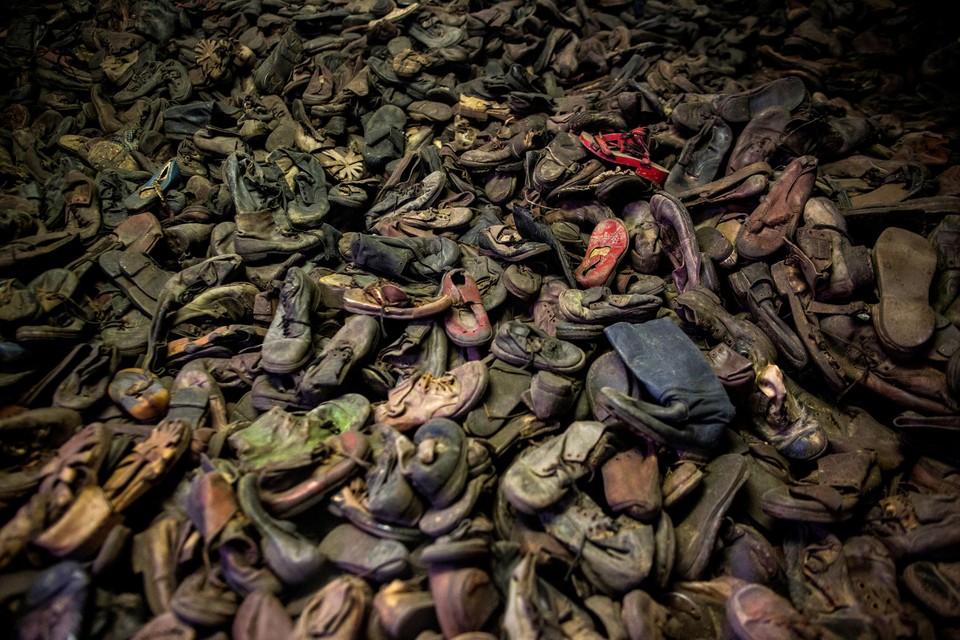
628, 149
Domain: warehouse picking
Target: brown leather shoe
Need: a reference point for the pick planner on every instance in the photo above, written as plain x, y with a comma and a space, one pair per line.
631, 484
147, 463
759, 139
74, 467
775, 220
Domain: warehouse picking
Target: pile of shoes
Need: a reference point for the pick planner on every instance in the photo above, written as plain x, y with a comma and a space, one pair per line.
418, 319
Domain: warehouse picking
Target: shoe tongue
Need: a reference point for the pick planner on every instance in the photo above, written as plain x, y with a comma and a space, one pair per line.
592, 295
395, 295
287, 298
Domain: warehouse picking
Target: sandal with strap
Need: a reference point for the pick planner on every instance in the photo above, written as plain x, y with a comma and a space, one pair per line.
629, 149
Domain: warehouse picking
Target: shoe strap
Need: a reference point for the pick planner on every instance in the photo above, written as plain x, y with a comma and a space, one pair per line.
629, 149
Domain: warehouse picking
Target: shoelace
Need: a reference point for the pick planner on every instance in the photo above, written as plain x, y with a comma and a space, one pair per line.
429, 383
287, 321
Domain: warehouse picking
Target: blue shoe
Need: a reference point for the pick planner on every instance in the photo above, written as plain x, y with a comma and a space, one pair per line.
153, 189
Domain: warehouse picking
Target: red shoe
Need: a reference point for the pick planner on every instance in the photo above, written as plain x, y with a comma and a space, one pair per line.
607, 246
467, 323
628, 149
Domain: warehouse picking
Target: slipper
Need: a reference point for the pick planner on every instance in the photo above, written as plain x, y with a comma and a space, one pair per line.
607, 247
153, 189
905, 265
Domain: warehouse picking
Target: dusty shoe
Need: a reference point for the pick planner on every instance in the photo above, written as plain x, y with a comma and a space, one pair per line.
62, 478
504, 392
339, 609
631, 484
599, 305
759, 139
782, 420
147, 463
541, 476
423, 396
754, 290
293, 558
351, 344
532, 602
340, 458
833, 267
702, 307
701, 157
288, 344
830, 493
775, 220
697, 531
405, 259
614, 554
551, 395
390, 496
436, 464
690, 407
388, 300
936, 584
467, 323
139, 393
360, 553
678, 240
522, 345
55, 603
788, 92
261, 616
757, 613
905, 266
